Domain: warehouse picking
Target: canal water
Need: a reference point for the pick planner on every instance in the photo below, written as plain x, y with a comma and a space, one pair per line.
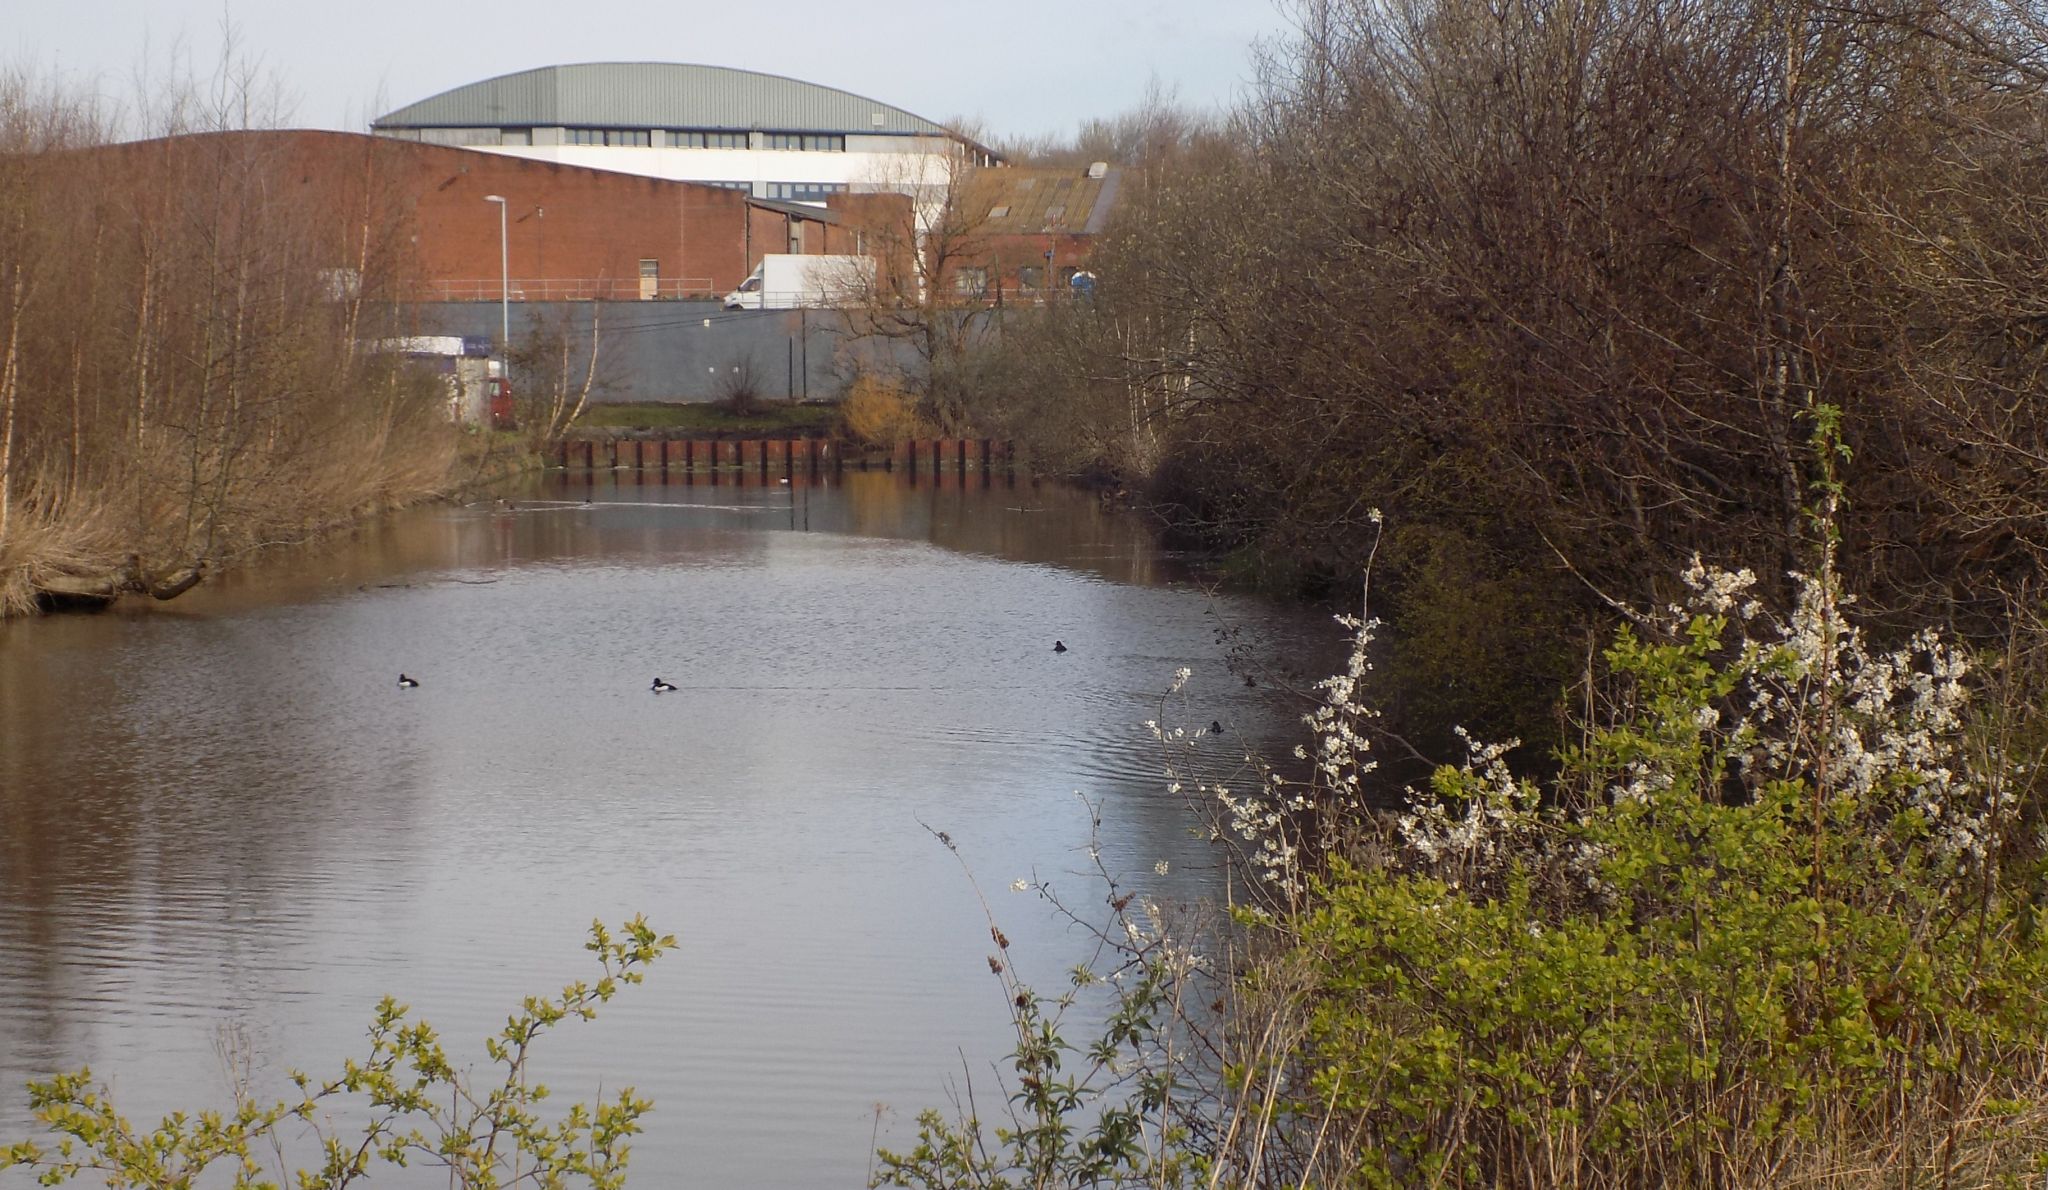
225, 832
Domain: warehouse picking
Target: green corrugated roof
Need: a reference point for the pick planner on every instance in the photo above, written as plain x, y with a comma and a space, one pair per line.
654, 95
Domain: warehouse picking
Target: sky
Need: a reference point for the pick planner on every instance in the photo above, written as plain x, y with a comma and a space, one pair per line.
1019, 68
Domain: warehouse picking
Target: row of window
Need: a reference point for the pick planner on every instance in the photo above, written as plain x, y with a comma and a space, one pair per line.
684, 138
973, 280
807, 142
705, 140
640, 138
804, 191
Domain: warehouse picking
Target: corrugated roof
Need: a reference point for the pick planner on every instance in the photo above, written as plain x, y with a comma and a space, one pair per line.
655, 95
1035, 200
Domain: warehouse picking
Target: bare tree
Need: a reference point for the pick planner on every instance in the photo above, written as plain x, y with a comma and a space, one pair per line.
556, 369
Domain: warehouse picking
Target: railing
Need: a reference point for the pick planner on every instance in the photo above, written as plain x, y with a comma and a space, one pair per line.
566, 289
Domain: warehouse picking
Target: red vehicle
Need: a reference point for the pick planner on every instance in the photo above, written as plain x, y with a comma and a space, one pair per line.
502, 417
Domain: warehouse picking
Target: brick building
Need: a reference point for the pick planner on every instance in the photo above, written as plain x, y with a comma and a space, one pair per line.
570, 233
1028, 230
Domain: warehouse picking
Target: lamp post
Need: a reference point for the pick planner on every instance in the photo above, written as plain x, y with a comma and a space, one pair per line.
504, 290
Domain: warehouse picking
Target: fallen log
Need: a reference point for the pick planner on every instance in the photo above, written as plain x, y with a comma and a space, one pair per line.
105, 588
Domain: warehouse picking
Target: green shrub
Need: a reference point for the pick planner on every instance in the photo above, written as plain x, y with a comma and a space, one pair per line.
1773, 917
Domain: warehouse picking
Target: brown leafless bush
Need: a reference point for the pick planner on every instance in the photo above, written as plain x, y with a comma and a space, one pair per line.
1566, 289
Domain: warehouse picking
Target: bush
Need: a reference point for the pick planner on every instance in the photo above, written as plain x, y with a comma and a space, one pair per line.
880, 413
1773, 917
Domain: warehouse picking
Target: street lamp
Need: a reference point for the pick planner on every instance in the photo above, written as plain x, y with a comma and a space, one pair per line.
504, 290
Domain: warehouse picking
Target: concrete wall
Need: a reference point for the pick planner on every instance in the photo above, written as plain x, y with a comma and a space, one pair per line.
664, 351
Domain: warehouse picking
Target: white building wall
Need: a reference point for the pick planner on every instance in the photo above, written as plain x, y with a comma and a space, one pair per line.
902, 164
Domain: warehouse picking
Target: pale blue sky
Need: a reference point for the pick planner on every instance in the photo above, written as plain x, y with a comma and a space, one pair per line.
1023, 67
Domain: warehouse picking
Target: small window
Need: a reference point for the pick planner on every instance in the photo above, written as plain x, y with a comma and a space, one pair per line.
1030, 276
999, 212
971, 281
583, 136
635, 138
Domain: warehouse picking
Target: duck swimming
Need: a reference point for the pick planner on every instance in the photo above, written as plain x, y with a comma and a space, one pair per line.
405, 683
661, 687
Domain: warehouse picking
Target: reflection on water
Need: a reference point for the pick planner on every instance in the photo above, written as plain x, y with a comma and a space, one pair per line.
221, 815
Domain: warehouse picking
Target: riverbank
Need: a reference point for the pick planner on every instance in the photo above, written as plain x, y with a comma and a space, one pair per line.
88, 549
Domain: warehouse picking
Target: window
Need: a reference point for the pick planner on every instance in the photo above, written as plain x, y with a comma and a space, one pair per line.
630, 137
804, 191
687, 138
459, 136
998, 212
971, 281
809, 142
1029, 276
746, 186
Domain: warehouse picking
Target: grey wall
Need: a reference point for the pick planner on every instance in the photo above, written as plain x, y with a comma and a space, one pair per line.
665, 351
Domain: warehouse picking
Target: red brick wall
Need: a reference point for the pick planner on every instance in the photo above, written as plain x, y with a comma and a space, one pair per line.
567, 226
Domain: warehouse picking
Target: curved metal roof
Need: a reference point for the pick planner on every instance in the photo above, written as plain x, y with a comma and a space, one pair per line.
655, 95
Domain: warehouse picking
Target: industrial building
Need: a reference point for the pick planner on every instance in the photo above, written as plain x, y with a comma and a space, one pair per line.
774, 138
473, 225
1028, 230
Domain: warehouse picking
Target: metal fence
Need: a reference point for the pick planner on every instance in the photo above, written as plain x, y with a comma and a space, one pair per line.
566, 289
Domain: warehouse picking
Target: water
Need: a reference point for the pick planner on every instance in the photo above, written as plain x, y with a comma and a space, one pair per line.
224, 831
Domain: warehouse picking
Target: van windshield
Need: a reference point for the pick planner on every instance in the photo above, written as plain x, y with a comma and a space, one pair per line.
751, 284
